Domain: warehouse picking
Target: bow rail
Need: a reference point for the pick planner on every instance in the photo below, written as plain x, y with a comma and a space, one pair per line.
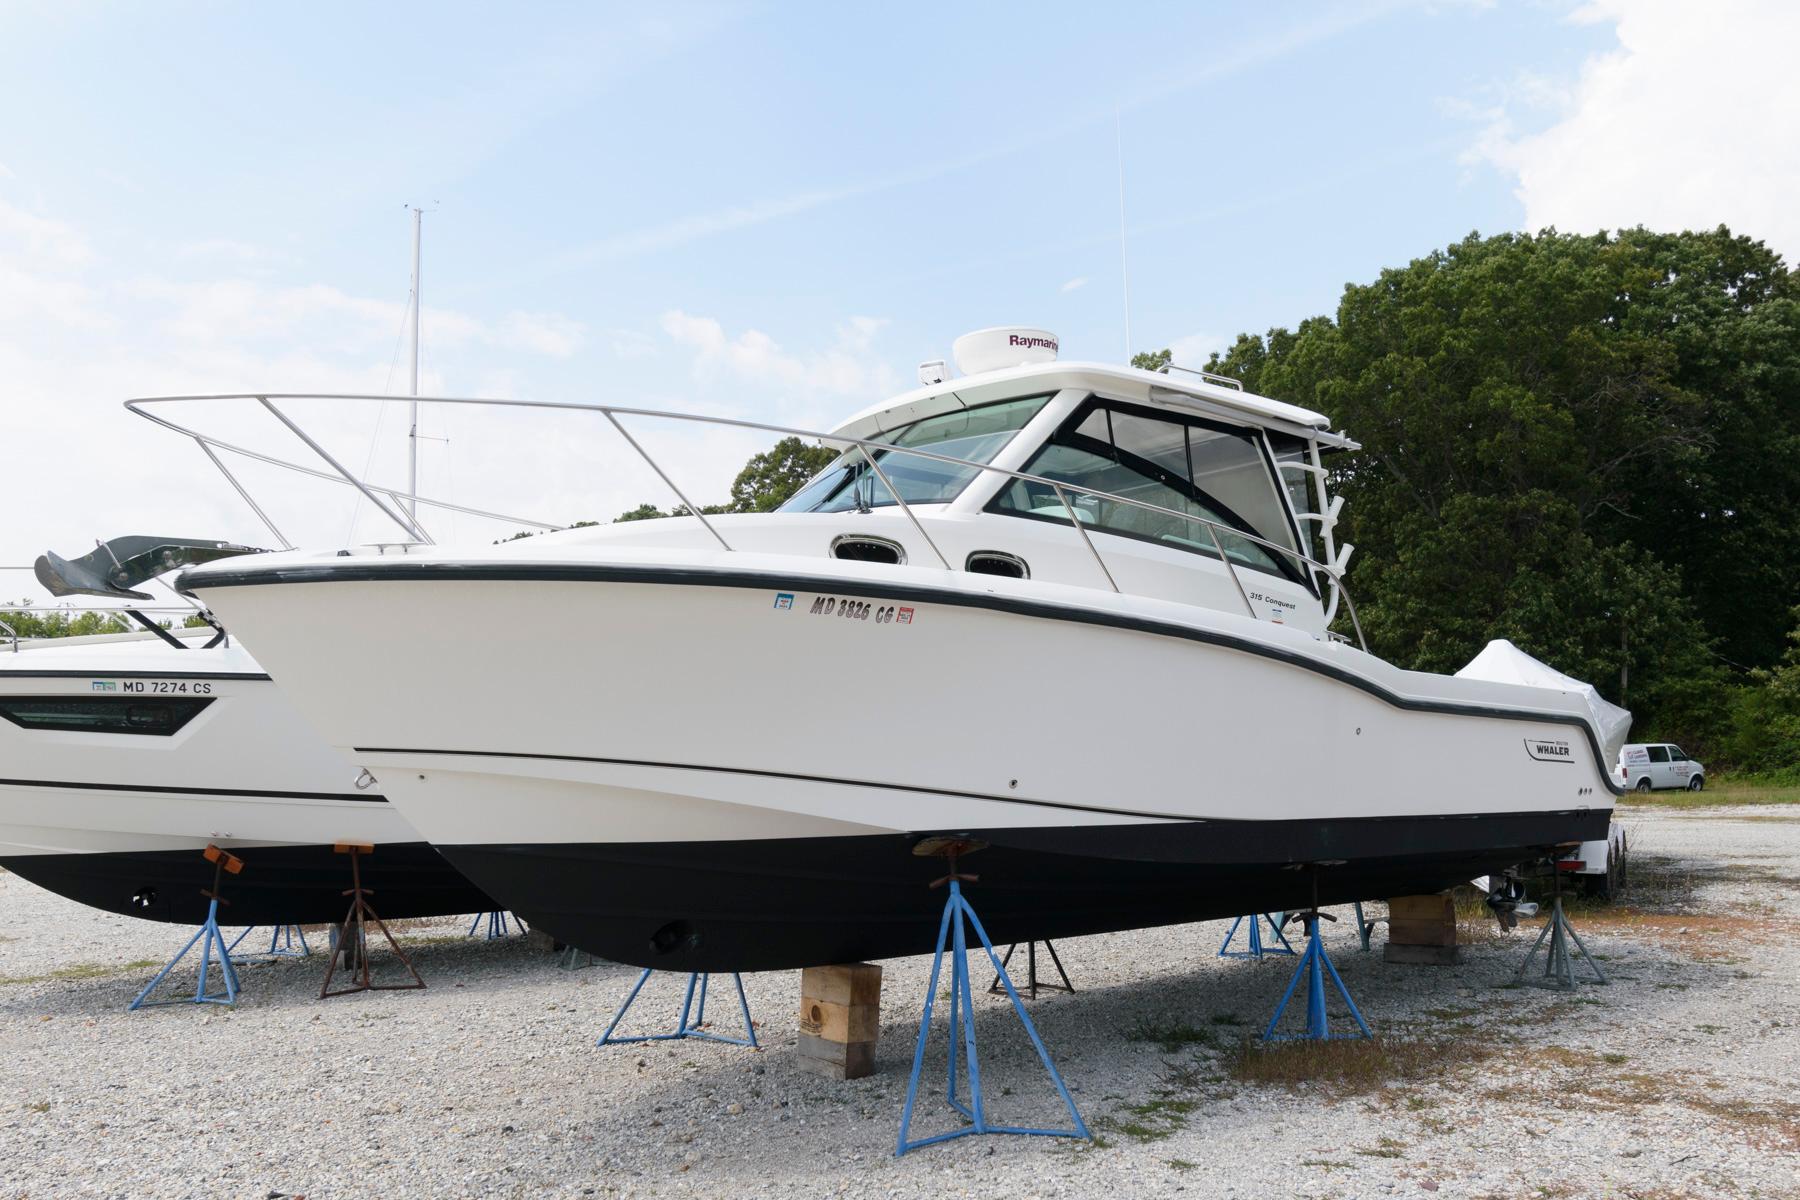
405, 516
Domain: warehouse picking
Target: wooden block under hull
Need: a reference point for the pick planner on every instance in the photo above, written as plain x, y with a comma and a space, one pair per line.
840, 1019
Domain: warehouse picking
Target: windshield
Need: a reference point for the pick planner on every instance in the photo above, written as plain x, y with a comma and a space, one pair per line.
1211, 479
975, 434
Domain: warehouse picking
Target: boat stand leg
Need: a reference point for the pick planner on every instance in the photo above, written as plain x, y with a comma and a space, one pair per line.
1256, 947
692, 1021
1033, 985
281, 943
496, 925
963, 1050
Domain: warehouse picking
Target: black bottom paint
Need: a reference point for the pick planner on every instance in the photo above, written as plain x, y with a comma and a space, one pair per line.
299, 885
767, 905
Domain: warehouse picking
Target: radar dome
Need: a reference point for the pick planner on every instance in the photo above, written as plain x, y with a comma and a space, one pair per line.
1001, 347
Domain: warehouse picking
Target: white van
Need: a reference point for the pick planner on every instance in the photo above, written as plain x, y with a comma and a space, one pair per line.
1647, 765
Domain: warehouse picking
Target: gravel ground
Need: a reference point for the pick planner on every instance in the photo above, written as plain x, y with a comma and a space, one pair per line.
1676, 1080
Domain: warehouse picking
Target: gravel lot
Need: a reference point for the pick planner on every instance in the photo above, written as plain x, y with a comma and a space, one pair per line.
1677, 1080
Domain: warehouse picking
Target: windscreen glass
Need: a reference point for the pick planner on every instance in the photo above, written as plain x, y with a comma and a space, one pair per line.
1213, 480
974, 434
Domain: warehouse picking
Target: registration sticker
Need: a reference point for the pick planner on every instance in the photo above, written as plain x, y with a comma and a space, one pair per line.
784, 599
904, 616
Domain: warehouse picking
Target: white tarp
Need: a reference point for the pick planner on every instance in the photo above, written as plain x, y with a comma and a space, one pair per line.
1502, 662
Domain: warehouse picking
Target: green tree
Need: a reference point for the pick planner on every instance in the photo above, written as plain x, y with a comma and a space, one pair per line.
1765, 734
769, 478
1568, 440
64, 623
1152, 360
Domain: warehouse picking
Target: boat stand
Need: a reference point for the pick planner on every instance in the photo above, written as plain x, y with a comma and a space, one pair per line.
1032, 983
1365, 925
574, 958
352, 945
496, 925
282, 939
214, 942
1559, 963
1314, 966
1256, 947
693, 1016
953, 928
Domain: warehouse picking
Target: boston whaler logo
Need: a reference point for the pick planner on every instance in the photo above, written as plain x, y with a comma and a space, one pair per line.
1545, 750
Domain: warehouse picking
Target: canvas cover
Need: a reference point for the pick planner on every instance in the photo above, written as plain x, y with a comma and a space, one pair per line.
1502, 662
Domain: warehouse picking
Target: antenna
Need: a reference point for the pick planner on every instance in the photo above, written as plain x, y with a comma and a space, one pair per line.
412, 437
1124, 275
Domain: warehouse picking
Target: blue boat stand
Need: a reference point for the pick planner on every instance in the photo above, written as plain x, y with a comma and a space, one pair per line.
962, 1050
693, 1016
1314, 966
282, 940
214, 940
1256, 946
496, 925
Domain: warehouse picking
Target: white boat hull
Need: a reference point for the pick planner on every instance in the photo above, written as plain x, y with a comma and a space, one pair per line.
117, 820
724, 763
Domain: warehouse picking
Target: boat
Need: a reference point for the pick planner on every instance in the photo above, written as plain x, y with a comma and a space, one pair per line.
1088, 617
124, 755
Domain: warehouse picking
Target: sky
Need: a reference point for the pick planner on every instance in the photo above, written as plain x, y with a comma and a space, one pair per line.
771, 212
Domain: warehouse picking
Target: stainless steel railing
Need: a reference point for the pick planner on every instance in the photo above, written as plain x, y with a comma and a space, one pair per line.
869, 449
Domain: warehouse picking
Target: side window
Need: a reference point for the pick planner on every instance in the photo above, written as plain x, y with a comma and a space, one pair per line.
1172, 464
1659, 754
1676, 754
158, 717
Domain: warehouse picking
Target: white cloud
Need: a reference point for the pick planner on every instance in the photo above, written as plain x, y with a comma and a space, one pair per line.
541, 333
1680, 127
1196, 348
1075, 284
845, 368
40, 239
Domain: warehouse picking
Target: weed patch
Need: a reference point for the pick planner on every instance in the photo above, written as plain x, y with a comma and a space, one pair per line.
1356, 1067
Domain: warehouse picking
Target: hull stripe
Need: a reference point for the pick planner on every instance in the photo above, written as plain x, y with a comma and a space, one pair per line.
356, 797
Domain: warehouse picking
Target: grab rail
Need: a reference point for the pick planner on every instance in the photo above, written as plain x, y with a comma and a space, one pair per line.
1208, 376
867, 447
11, 633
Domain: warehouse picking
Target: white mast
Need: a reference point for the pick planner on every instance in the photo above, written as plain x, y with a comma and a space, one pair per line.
412, 437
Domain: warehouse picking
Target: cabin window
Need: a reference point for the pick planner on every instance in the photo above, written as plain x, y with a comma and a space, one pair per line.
861, 547
157, 716
997, 562
972, 434
1199, 470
